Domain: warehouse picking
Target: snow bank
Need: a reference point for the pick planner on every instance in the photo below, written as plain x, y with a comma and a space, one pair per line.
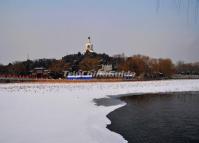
65, 113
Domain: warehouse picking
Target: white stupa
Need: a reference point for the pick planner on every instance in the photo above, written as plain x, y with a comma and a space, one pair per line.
88, 46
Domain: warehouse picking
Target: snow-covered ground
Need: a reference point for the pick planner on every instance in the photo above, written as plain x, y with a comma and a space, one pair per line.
66, 113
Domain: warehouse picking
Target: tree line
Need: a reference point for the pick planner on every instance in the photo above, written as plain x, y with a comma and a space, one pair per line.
143, 66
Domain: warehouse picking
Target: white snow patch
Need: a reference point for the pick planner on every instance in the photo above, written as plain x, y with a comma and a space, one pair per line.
65, 113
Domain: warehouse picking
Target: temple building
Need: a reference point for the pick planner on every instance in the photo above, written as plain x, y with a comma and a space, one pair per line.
88, 46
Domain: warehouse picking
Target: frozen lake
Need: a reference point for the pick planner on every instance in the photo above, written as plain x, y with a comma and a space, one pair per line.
61, 113
158, 118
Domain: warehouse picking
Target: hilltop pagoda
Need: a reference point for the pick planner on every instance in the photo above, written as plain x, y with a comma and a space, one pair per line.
88, 46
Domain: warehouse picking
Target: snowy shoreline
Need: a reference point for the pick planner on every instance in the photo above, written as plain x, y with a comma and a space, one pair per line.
53, 112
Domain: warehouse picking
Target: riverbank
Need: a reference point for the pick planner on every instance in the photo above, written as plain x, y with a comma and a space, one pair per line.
13, 80
43, 80
59, 80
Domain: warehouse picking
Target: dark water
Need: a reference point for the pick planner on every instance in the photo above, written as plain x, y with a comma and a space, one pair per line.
158, 118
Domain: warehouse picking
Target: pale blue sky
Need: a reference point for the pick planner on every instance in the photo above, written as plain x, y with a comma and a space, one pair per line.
54, 28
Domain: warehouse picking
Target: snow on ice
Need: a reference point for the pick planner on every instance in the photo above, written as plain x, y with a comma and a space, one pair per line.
66, 113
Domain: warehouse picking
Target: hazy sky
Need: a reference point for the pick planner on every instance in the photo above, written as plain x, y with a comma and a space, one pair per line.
54, 28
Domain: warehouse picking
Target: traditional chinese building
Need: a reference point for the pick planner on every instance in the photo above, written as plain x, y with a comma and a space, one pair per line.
40, 72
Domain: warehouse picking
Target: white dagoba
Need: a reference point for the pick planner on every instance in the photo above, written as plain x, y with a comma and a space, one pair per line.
88, 46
